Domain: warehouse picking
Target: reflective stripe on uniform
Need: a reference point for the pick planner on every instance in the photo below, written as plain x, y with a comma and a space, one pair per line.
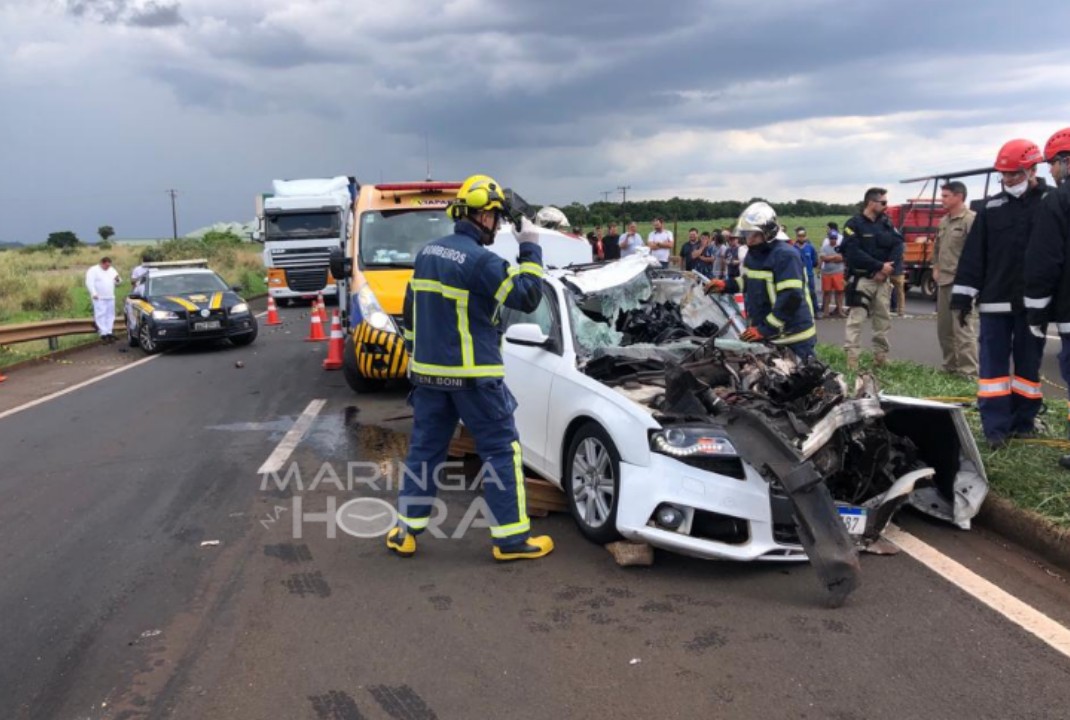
474, 371
994, 307
415, 523
767, 276
796, 337
994, 387
963, 290
460, 299
789, 284
1026, 388
774, 321
1037, 303
531, 268
507, 286
1063, 328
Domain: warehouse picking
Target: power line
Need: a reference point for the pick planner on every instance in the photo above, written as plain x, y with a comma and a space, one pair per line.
605, 195
623, 200
174, 213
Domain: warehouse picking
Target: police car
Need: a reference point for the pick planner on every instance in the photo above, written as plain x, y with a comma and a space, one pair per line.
183, 301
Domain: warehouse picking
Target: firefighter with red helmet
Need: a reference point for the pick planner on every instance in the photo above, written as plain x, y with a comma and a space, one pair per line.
1047, 264
990, 276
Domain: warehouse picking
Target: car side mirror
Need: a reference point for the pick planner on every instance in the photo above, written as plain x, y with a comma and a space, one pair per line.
136, 296
527, 334
340, 265
236, 288
257, 237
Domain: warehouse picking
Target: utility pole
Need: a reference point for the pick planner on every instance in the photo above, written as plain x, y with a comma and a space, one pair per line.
427, 153
174, 214
605, 195
624, 201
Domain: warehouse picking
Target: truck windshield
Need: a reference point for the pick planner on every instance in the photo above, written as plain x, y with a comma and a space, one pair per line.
389, 238
303, 225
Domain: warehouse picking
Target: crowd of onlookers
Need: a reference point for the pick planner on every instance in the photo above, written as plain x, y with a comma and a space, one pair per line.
718, 254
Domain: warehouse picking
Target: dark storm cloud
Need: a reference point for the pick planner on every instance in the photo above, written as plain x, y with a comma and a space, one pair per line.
156, 15
149, 14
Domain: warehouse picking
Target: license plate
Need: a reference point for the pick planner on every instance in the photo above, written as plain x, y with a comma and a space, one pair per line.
209, 325
854, 519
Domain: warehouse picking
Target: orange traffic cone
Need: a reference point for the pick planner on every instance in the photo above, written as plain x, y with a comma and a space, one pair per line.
738, 297
2, 377
321, 308
336, 348
315, 331
273, 313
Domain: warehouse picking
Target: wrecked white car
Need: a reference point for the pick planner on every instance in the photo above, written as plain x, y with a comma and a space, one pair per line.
637, 398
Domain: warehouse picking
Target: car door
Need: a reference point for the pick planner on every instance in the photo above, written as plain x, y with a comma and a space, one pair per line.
529, 372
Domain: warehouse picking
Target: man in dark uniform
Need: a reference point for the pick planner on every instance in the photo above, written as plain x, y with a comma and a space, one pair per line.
774, 283
871, 246
1047, 261
452, 305
991, 273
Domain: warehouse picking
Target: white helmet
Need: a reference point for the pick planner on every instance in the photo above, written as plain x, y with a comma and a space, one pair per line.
551, 217
758, 217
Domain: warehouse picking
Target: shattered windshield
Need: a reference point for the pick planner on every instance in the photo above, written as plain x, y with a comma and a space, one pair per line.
392, 238
651, 307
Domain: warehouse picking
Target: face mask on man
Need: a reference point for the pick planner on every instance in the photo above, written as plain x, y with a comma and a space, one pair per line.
1018, 189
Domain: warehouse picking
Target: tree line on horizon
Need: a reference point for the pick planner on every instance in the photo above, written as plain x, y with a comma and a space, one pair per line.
693, 209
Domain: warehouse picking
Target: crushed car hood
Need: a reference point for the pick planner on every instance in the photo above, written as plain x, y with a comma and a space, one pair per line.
656, 338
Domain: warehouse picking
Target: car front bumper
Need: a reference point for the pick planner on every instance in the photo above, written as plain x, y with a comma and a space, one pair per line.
168, 331
708, 500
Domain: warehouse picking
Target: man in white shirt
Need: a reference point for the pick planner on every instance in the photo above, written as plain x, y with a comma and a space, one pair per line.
631, 241
660, 242
100, 281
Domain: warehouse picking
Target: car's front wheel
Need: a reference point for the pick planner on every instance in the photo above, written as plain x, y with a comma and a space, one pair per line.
149, 346
592, 483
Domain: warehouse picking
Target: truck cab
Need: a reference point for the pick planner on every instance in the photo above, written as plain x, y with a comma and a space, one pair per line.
391, 223
301, 223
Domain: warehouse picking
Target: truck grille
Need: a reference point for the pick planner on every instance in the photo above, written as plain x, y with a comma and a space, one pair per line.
306, 268
310, 280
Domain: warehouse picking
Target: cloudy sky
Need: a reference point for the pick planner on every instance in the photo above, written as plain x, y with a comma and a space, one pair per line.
105, 104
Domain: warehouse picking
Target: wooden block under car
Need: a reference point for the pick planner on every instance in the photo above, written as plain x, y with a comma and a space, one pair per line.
628, 553
544, 497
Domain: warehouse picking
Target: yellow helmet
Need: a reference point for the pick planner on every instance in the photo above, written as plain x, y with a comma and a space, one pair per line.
478, 193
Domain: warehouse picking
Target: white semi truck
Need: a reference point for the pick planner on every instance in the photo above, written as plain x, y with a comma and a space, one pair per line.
300, 223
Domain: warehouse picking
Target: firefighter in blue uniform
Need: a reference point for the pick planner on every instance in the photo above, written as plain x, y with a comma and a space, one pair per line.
990, 273
773, 283
452, 306
1047, 263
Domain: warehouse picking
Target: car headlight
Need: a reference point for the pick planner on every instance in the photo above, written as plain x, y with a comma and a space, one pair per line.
372, 311
239, 309
164, 315
691, 441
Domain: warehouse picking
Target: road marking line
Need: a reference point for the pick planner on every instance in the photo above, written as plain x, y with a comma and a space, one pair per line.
79, 386
1025, 616
294, 435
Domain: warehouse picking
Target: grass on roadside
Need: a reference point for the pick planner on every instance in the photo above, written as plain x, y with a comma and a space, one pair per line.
1026, 473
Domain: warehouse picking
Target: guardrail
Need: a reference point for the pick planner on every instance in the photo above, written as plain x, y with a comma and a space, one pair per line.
51, 330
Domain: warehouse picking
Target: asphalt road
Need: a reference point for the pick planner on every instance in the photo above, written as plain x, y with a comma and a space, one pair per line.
111, 608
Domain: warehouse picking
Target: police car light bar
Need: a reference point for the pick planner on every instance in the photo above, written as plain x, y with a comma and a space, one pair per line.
199, 263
